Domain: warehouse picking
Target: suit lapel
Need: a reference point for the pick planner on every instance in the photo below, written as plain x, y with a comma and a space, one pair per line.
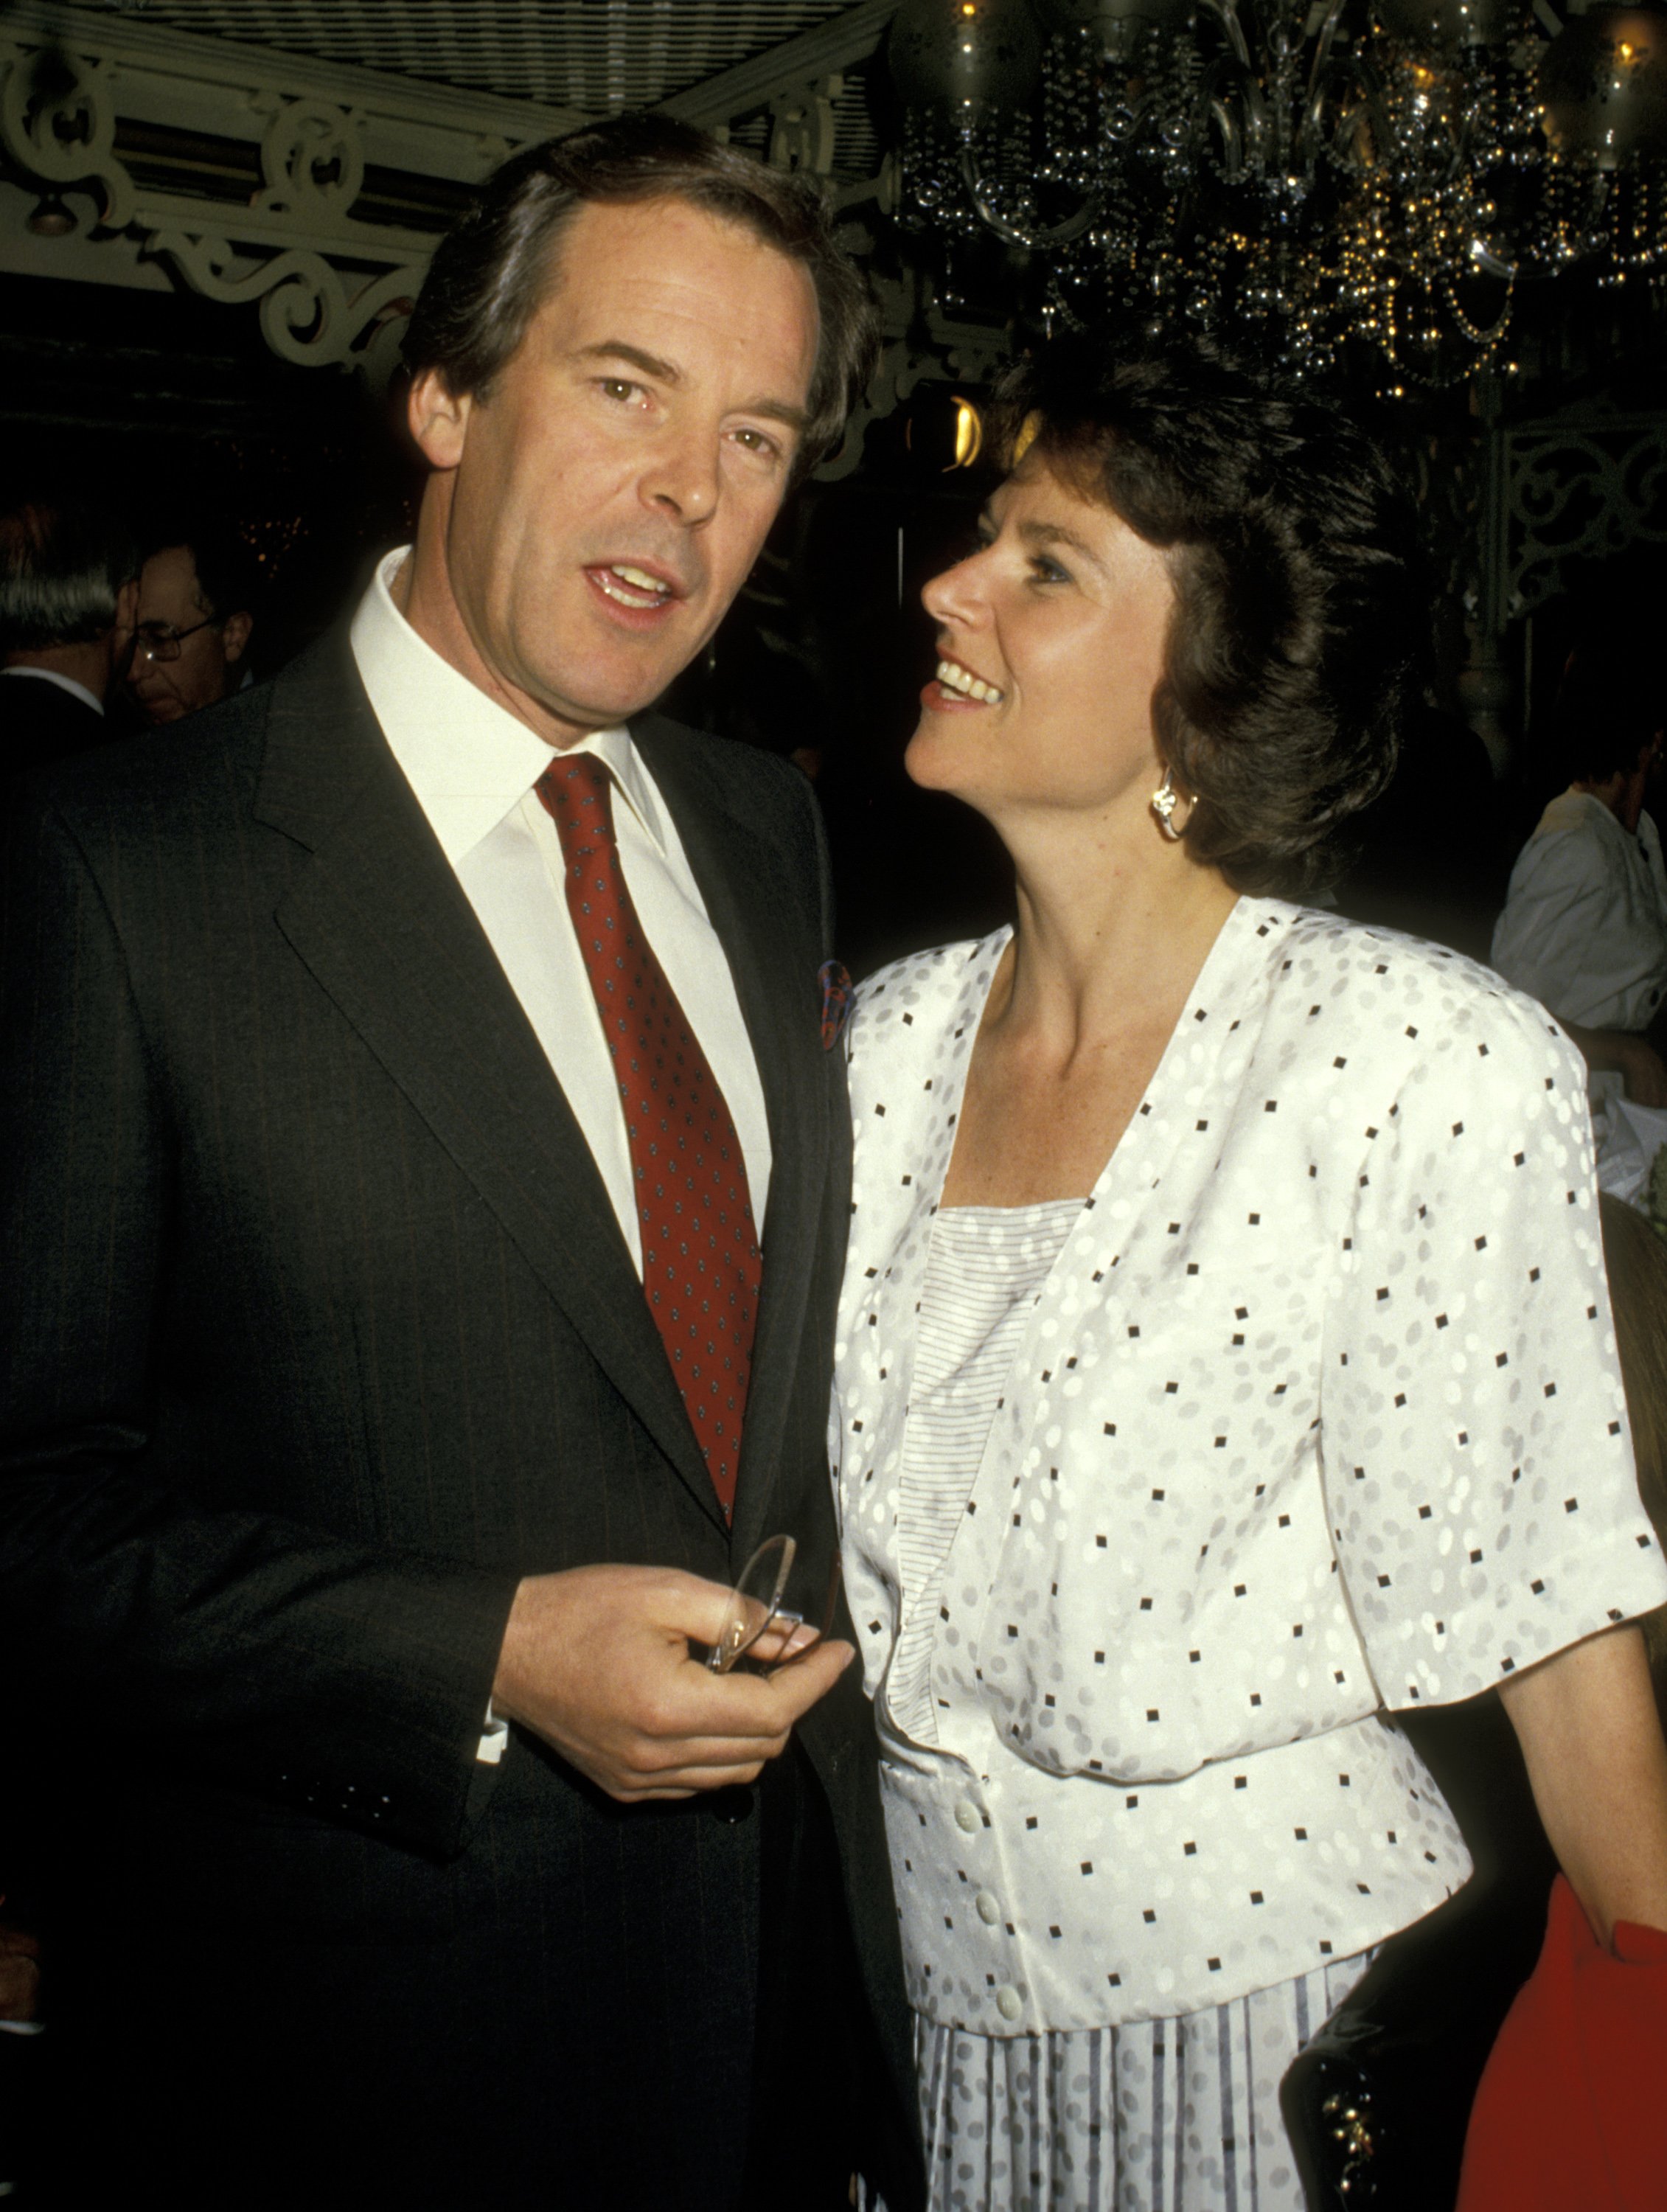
381, 922
758, 911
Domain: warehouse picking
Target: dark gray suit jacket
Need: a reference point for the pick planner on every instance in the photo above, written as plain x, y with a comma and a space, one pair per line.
318, 1333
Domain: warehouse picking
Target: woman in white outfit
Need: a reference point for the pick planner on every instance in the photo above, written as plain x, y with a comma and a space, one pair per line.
1225, 1354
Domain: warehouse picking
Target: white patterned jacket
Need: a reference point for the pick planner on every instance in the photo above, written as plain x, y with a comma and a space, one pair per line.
1318, 1412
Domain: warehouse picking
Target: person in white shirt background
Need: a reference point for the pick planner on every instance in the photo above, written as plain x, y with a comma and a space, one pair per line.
1224, 1356
1584, 927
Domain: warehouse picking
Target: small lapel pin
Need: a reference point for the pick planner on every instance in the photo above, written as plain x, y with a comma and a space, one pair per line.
836, 1000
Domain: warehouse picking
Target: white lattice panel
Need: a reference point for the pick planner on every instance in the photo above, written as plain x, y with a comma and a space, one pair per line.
600, 56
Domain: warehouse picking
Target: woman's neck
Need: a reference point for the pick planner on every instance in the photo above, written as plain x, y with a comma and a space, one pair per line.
1109, 941
1106, 931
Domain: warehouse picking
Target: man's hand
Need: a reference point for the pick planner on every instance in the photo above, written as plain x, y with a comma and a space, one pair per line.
596, 1661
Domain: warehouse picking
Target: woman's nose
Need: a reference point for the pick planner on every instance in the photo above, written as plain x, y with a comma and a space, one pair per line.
955, 595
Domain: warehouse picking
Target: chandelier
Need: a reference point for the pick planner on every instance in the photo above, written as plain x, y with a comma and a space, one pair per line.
1300, 179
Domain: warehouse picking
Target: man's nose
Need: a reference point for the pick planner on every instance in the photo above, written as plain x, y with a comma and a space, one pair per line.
682, 480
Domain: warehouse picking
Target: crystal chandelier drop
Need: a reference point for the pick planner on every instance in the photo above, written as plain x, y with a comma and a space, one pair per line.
1295, 178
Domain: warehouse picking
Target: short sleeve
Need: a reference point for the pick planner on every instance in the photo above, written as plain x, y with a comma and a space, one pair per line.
1562, 897
1478, 1465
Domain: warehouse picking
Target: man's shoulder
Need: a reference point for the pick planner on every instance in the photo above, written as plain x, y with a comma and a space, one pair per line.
749, 782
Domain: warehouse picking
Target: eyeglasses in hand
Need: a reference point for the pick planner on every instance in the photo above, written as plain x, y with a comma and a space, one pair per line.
756, 1604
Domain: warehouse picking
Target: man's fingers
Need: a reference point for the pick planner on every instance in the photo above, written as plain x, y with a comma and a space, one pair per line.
689, 1782
796, 1687
653, 1759
777, 1645
688, 1605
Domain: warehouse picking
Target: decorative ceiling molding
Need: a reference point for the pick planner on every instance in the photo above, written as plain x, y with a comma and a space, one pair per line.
828, 50
315, 191
167, 133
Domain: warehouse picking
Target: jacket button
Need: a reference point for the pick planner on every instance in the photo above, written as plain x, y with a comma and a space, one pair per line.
730, 1806
988, 1910
1008, 2003
966, 1817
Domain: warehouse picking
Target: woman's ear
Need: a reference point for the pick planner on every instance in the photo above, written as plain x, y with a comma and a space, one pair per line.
438, 418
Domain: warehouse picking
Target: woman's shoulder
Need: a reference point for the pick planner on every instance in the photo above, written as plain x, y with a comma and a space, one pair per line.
1407, 998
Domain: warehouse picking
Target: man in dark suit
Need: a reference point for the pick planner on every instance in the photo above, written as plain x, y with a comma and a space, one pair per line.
406, 1064
69, 587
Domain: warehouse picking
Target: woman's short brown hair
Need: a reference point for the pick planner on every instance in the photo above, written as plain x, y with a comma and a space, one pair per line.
1297, 600
491, 273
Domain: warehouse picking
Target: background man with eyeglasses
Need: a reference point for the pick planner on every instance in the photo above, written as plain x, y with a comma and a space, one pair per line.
197, 594
67, 598
424, 1173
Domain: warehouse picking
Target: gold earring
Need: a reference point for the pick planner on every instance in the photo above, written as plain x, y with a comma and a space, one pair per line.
1165, 801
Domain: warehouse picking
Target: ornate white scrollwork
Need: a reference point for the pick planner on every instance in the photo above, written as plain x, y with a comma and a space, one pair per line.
803, 127
313, 160
308, 315
331, 287
58, 122
1580, 490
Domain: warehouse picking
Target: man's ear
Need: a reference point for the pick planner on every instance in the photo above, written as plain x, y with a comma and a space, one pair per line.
127, 607
438, 418
235, 636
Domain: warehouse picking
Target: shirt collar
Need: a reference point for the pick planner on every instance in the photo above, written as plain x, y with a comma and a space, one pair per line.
63, 682
468, 760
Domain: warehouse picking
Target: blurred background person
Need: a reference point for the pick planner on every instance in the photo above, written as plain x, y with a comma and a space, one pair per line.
67, 606
1584, 925
197, 600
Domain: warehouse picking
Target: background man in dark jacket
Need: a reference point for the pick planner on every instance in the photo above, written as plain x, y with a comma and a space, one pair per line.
404, 1064
195, 617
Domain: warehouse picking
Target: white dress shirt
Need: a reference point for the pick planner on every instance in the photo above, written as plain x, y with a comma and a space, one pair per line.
1584, 925
474, 767
1318, 1411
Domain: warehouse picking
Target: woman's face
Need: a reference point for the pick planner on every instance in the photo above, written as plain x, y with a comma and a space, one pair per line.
1050, 645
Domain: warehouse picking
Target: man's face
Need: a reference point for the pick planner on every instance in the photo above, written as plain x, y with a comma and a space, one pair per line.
593, 515
171, 599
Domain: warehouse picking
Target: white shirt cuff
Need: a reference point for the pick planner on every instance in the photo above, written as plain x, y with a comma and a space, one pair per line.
489, 1750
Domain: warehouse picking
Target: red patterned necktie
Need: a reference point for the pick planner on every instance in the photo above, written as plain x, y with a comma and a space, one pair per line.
701, 1263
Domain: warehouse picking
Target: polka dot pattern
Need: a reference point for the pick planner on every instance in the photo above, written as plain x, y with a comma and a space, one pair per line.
1316, 1412
701, 1260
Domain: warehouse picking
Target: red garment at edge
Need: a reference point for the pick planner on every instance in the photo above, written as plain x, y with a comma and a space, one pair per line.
1571, 2112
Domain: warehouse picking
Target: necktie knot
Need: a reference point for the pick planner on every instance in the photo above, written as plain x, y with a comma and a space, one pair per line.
577, 792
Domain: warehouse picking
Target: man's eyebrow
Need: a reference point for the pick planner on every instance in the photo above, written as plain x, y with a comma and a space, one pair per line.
667, 372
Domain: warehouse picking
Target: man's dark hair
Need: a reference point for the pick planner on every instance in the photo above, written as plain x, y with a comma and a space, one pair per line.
62, 562
1291, 550
1610, 706
228, 574
491, 273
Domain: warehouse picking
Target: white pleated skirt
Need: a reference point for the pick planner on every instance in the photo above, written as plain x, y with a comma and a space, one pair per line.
1157, 2116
